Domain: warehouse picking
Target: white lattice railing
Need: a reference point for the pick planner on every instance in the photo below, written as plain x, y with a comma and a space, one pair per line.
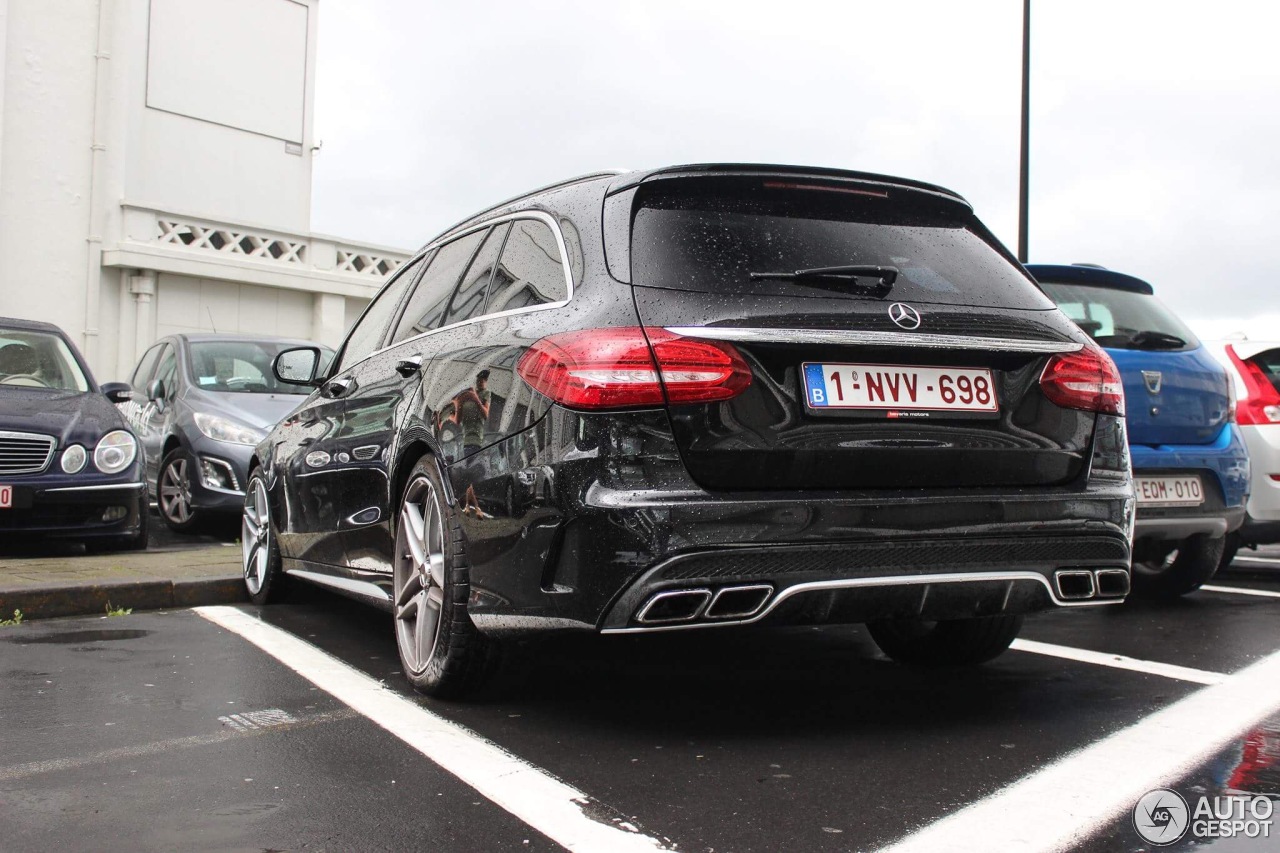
201, 239
232, 241
365, 263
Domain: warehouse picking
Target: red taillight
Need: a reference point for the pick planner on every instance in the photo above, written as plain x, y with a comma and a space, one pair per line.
1086, 380
1261, 403
628, 367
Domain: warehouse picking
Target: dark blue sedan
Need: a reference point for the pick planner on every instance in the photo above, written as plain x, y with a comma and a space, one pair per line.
69, 465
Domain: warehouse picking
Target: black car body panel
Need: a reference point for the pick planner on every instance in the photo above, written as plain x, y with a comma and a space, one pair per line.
576, 519
87, 504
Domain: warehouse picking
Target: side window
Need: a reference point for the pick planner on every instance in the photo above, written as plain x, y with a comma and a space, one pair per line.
143, 370
531, 271
368, 332
427, 305
167, 372
469, 300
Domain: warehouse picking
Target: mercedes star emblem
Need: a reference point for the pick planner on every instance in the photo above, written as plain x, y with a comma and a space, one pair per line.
904, 315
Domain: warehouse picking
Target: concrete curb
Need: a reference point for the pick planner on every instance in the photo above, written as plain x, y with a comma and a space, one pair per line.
45, 602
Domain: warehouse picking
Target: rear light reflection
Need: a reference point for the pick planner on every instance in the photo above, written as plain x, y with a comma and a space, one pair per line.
628, 367
1261, 402
1087, 380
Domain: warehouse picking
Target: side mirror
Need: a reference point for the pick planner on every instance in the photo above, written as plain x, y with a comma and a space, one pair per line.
155, 389
117, 392
297, 365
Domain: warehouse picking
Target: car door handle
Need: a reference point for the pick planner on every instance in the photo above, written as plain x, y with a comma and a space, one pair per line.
406, 367
338, 387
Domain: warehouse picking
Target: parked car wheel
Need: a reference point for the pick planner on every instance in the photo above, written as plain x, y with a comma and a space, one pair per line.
1230, 547
956, 642
440, 649
173, 492
1185, 569
263, 576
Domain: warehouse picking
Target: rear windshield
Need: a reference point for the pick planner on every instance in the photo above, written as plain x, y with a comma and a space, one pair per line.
709, 235
1269, 362
1121, 319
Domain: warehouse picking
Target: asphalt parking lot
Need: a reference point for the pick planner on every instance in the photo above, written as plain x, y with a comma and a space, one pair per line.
224, 729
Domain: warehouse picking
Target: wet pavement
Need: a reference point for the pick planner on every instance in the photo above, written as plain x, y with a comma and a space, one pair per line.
162, 731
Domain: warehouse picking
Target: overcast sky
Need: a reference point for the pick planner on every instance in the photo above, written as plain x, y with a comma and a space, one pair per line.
1155, 125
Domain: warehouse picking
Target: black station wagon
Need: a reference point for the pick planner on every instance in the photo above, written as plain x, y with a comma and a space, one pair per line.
702, 397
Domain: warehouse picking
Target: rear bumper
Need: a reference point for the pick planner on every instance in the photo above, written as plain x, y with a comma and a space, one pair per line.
1223, 468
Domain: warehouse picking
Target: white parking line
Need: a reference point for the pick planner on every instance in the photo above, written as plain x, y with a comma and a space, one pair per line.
536, 797
1168, 670
1273, 561
1239, 590
1072, 799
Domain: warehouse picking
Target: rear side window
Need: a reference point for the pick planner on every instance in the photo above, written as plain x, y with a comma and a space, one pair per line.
370, 330
710, 235
430, 298
531, 272
468, 301
1121, 319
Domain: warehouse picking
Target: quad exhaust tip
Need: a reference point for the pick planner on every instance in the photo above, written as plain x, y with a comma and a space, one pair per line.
686, 605
1081, 584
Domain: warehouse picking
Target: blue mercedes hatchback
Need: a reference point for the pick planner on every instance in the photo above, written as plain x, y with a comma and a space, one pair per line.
1190, 465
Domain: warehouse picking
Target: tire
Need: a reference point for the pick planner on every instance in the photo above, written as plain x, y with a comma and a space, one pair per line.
137, 542
442, 653
173, 492
956, 642
1190, 565
264, 579
1230, 547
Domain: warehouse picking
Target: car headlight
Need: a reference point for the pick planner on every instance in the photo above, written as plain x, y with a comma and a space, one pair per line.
73, 459
221, 429
115, 452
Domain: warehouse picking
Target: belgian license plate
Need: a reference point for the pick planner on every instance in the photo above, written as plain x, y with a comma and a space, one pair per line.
1168, 491
6, 497
899, 388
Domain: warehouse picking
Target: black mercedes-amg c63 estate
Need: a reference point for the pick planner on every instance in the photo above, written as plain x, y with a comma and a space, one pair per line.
700, 397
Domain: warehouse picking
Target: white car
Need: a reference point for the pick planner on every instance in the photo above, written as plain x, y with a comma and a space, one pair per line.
1255, 365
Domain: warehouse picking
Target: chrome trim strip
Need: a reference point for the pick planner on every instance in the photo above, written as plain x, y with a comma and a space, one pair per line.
355, 587
868, 338
509, 217
856, 583
136, 487
33, 436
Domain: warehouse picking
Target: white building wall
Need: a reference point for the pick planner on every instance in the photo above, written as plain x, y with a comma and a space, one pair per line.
120, 118
45, 159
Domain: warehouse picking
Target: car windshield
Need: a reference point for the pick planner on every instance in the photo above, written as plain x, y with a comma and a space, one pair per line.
242, 367
1121, 319
30, 359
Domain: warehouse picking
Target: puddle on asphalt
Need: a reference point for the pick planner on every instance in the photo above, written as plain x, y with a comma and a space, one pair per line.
80, 637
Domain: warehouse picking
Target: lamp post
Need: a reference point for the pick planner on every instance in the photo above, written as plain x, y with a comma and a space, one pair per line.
1024, 155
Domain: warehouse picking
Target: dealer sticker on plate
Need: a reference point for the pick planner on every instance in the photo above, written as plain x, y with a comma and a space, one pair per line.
909, 388
1168, 491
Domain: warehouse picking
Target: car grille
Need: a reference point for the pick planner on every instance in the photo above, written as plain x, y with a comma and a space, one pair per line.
868, 558
25, 453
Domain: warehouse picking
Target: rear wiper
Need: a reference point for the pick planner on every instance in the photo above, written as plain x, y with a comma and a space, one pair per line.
848, 274
1156, 340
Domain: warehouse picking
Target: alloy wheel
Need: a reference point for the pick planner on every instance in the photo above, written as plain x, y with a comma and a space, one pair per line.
419, 574
255, 536
175, 492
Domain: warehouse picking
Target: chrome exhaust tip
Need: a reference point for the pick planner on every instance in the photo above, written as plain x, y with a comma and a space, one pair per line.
1112, 583
738, 602
1075, 584
676, 605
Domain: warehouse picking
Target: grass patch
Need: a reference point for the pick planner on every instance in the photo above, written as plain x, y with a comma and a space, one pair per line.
118, 611
16, 620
